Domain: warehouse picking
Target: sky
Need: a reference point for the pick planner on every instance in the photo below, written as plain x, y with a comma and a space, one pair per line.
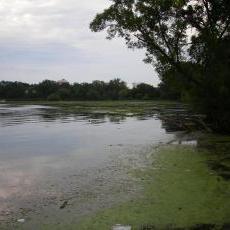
51, 39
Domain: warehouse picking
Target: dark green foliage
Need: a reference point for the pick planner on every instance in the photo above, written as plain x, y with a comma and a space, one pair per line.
14, 90
145, 92
45, 88
97, 90
188, 41
54, 97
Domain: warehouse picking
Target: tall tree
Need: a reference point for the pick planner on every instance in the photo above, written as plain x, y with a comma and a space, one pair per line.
184, 36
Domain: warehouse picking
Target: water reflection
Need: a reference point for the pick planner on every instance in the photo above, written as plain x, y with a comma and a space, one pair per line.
44, 150
39, 143
29, 114
180, 119
173, 118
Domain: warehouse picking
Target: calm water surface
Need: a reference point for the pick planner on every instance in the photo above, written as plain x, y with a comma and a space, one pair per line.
48, 155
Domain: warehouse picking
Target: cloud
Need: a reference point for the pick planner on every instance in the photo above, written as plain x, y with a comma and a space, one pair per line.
52, 37
47, 20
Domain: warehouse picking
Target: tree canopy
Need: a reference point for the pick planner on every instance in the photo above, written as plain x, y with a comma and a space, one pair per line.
186, 40
115, 89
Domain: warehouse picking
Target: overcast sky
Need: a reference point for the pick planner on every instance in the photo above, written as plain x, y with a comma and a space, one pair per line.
51, 39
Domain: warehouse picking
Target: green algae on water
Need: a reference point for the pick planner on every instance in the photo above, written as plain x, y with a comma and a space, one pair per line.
180, 191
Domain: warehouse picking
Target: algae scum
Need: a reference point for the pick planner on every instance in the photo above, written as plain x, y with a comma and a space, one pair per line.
94, 165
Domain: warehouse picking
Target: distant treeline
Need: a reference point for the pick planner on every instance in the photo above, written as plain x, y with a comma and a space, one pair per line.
97, 90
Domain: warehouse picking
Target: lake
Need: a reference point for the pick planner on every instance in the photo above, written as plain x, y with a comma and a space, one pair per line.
49, 156
63, 162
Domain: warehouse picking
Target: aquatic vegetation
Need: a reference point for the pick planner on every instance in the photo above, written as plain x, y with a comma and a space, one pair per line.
180, 192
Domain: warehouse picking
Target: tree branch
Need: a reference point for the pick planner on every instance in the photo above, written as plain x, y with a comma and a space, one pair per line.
164, 38
224, 30
171, 61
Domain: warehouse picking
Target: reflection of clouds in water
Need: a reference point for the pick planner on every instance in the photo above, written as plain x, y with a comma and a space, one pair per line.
13, 182
42, 146
22, 178
19, 174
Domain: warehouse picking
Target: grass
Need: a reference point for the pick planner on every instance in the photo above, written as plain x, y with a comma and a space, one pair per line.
180, 191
